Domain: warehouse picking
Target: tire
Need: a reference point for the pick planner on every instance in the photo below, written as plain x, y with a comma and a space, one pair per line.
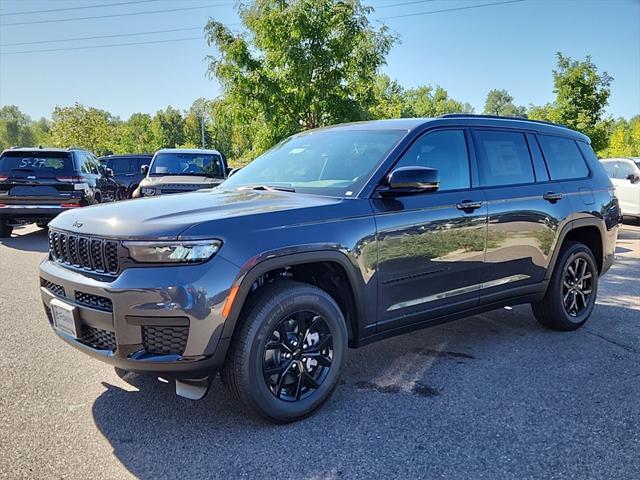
552, 311
263, 340
5, 229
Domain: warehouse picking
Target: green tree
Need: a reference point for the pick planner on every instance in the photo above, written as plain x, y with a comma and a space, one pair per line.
197, 125
424, 101
390, 98
86, 127
15, 128
136, 135
624, 140
582, 93
302, 64
168, 128
500, 102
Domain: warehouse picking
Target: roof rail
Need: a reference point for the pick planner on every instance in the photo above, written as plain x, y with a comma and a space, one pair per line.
500, 117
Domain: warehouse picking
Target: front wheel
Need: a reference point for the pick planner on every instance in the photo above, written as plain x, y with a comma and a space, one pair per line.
571, 294
285, 360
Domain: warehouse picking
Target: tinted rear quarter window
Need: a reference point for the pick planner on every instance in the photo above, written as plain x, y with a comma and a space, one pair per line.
563, 158
626, 168
504, 158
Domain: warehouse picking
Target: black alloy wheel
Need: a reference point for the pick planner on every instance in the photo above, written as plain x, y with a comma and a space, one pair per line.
577, 287
298, 355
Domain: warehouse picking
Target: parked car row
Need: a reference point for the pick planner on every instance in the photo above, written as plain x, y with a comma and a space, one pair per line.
36, 184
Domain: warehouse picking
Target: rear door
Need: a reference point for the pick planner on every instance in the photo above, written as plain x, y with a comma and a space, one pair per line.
431, 245
525, 211
36, 177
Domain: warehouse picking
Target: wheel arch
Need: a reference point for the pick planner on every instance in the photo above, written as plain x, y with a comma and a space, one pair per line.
590, 232
303, 266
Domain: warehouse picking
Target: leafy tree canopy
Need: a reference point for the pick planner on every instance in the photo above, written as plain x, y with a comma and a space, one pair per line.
500, 102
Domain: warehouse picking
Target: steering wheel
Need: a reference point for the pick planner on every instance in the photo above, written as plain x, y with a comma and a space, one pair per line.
191, 168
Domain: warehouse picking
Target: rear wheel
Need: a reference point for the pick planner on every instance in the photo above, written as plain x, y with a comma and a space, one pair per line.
571, 294
285, 360
5, 228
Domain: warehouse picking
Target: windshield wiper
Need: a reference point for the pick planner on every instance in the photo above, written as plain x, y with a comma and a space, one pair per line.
281, 188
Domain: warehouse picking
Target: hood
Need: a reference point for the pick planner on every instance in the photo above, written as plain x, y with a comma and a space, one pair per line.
166, 217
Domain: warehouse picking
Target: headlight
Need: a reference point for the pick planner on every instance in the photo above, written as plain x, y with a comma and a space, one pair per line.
148, 191
173, 252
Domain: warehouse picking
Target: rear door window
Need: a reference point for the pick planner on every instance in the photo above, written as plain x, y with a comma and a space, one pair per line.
563, 158
120, 165
503, 158
35, 164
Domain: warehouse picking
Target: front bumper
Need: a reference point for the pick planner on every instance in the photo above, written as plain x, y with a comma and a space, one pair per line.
118, 314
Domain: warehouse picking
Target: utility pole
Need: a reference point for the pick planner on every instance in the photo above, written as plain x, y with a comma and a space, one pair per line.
202, 129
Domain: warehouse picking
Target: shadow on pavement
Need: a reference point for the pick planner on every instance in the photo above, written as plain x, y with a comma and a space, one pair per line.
396, 395
27, 239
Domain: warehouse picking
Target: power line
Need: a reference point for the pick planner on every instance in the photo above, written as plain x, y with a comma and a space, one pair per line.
96, 37
402, 4
76, 8
468, 7
104, 46
200, 38
116, 15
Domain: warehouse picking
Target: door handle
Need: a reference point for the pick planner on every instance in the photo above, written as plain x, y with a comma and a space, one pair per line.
552, 197
468, 206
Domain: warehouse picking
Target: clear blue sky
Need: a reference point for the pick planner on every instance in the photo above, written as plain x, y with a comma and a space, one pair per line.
468, 52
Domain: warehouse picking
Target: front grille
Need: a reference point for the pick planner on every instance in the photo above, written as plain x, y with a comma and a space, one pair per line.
57, 290
89, 253
165, 340
94, 301
97, 338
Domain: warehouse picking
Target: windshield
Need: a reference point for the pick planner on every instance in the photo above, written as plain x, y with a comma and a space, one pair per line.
40, 164
326, 162
176, 163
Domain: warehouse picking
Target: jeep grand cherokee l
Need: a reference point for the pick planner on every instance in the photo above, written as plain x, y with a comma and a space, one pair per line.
335, 237
36, 184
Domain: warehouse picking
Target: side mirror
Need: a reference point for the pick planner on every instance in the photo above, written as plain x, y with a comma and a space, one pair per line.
233, 171
411, 180
144, 169
108, 172
633, 178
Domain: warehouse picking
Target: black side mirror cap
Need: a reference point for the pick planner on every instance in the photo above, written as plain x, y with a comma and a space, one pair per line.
144, 169
633, 178
410, 181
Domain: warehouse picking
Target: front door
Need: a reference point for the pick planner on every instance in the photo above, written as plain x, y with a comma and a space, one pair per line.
431, 245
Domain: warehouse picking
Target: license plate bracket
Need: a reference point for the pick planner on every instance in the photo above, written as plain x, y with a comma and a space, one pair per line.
65, 317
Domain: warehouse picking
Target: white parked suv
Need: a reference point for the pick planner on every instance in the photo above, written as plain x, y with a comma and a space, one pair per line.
625, 176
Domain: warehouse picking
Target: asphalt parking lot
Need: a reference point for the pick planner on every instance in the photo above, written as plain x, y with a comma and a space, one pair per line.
492, 396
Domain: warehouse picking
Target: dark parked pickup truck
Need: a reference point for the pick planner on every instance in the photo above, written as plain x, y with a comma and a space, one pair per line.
335, 237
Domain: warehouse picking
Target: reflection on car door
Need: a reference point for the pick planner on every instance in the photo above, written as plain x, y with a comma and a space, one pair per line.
430, 248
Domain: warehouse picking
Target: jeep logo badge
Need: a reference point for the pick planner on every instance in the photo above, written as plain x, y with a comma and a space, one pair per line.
77, 224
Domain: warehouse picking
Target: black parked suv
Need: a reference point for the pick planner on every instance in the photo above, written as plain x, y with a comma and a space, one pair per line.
335, 237
36, 184
127, 170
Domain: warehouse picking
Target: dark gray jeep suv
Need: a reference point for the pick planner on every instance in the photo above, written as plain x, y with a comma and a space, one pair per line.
335, 237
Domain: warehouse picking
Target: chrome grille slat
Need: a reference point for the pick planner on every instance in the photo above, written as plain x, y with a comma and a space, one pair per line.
88, 253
